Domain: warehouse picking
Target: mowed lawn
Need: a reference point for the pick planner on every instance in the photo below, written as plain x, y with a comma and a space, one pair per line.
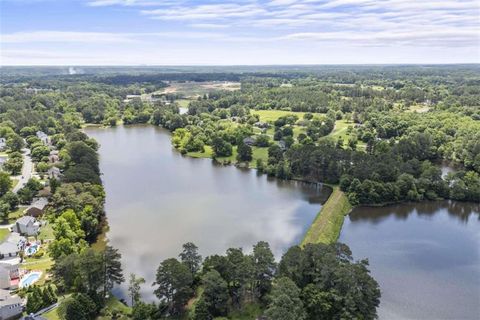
4, 232
340, 130
272, 115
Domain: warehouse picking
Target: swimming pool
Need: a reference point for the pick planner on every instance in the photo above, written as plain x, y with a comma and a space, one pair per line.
29, 279
31, 249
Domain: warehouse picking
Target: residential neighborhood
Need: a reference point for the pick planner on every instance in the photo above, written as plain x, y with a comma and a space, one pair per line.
22, 233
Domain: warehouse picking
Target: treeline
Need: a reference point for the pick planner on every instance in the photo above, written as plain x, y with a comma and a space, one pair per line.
381, 176
315, 282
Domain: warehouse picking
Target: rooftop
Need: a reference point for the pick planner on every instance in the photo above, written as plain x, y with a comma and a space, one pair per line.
40, 203
25, 220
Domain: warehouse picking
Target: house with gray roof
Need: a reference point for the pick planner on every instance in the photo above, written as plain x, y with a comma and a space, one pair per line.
37, 208
11, 306
8, 250
54, 172
43, 137
250, 141
9, 276
27, 225
12, 246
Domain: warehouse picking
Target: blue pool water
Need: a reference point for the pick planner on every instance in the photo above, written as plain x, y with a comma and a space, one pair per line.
32, 249
30, 279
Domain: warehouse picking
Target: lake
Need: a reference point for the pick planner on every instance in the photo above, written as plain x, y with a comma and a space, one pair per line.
158, 199
425, 256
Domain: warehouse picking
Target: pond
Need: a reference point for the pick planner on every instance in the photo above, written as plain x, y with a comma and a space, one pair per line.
426, 257
158, 199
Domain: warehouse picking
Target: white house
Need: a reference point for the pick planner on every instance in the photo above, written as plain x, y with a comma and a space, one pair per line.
10, 306
27, 225
43, 137
3, 144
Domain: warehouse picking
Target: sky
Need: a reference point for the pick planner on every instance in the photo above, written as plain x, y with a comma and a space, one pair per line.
242, 32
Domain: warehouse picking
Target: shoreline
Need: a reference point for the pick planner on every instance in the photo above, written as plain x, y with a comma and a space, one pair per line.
321, 224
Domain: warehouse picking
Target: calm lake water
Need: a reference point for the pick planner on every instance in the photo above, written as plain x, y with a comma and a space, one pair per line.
157, 200
425, 256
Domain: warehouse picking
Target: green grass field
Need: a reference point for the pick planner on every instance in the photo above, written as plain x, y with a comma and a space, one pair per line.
14, 215
272, 115
183, 102
4, 232
327, 225
46, 233
115, 307
14, 183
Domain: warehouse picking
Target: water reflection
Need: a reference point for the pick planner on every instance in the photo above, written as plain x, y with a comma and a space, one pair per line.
463, 211
426, 257
157, 200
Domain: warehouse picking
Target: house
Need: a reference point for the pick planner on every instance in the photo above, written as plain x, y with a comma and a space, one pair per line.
262, 125
8, 250
37, 208
282, 145
11, 306
3, 144
43, 137
12, 246
2, 160
249, 141
53, 157
27, 225
33, 317
54, 172
9, 276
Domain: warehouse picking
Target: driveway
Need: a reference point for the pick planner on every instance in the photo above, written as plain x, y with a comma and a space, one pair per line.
26, 171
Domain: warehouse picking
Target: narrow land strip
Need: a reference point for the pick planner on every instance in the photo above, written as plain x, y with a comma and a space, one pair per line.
328, 223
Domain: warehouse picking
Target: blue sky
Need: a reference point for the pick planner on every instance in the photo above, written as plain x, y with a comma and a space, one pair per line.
186, 32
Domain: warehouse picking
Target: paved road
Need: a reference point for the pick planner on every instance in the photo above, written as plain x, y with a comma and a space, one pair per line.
26, 171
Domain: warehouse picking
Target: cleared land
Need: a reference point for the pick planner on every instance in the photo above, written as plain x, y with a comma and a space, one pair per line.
196, 89
272, 115
327, 225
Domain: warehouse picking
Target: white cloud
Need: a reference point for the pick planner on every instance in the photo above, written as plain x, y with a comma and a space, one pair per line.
293, 30
48, 36
64, 36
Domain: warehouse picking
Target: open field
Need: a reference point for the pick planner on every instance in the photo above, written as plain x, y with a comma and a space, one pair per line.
195, 89
327, 225
183, 102
272, 115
